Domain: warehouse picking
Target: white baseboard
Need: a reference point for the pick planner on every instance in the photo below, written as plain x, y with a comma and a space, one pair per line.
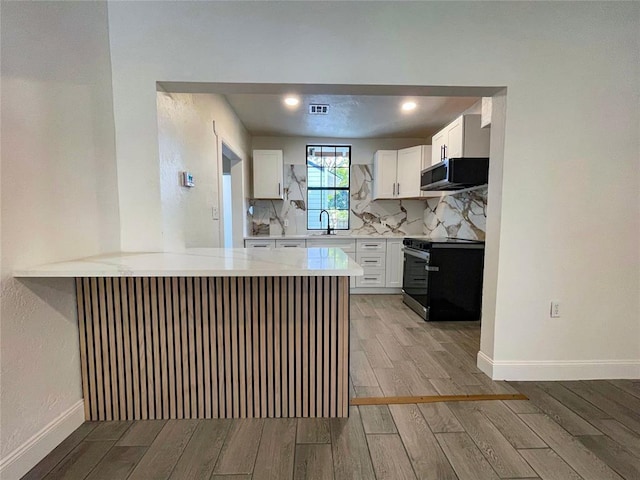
558, 369
27, 455
485, 364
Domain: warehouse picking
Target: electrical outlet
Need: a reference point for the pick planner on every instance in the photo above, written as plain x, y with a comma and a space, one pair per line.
555, 310
215, 213
286, 222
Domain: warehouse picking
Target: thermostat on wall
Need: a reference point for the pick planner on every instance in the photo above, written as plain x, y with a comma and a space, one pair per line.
187, 179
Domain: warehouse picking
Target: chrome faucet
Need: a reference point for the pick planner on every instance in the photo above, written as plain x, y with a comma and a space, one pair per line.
329, 229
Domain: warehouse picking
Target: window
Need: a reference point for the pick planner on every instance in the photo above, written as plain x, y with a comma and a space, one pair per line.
328, 186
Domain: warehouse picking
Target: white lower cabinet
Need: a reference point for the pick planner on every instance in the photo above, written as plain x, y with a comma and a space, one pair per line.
371, 279
291, 243
381, 259
371, 256
394, 264
258, 243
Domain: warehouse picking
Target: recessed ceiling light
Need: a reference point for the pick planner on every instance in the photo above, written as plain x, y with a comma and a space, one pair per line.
291, 101
407, 106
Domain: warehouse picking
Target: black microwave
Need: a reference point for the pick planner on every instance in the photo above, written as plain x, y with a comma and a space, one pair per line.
455, 174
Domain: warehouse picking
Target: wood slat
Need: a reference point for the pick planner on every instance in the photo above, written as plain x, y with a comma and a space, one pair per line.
148, 335
122, 397
142, 352
268, 327
177, 350
173, 403
82, 340
126, 347
162, 351
326, 319
242, 377
277, 394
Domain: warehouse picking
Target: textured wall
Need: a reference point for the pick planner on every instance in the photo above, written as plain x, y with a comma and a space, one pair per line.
566, 92
59, 198
187, 142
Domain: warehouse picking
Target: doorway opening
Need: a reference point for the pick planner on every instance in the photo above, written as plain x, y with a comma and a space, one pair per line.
232, 196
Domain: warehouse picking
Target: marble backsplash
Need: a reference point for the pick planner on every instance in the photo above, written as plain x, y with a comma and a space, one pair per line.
461, 215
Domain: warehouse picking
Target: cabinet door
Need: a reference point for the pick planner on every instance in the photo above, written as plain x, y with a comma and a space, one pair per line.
384, 174
291, 243
455, 139
259, 243
394, 264
268, 174
437, 142
409, 168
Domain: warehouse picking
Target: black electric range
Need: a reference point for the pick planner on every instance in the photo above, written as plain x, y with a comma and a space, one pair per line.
442, 279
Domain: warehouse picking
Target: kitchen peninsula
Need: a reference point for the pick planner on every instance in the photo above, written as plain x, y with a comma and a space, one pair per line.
212, 333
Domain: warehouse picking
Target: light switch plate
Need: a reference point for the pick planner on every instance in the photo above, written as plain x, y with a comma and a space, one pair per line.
187, 180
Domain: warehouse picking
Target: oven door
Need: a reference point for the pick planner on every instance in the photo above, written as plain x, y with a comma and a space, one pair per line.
415, 281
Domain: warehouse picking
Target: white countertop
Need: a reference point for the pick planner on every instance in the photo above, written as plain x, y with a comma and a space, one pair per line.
317, 235
206, 262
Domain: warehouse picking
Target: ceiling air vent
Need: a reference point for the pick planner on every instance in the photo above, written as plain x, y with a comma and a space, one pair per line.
318, 109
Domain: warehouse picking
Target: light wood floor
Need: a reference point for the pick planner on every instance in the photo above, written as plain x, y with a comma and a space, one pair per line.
395, 353
567, 430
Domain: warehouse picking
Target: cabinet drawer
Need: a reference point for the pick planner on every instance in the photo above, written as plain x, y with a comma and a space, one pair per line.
348, 245
259, 243
370, 260
291, 244
371, 279
372, 245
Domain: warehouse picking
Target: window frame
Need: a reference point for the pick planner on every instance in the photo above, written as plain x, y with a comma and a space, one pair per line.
347, 188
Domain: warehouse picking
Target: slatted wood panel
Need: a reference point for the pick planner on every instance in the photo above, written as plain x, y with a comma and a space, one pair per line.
194, 347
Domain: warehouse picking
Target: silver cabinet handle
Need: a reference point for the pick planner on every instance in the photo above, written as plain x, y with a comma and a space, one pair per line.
279, 189
394, 189
398, 189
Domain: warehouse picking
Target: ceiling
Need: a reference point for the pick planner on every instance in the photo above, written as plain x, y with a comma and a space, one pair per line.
355, 110
349, 116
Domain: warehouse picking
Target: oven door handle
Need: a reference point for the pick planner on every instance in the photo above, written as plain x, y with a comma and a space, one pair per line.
416, 253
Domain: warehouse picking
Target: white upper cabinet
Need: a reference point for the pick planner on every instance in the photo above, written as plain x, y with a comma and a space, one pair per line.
385, 167
410, 164
463, 137
438, 141
396, 174
268, 174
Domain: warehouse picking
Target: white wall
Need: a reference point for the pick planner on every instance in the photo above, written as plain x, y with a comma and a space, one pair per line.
569, 212
362, 149
187, 141
59, 201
